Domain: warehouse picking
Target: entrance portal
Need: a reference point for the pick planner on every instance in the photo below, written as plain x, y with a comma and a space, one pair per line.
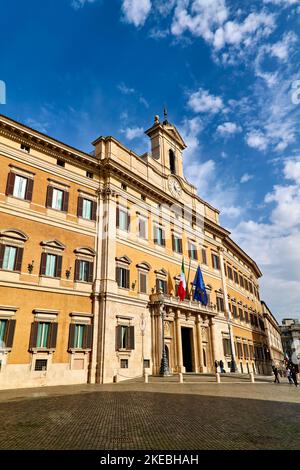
186, 338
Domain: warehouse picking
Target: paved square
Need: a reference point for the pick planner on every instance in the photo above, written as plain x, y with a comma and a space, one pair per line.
157, 415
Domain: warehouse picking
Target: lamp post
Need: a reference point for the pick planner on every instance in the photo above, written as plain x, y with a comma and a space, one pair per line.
233, 367
164, 367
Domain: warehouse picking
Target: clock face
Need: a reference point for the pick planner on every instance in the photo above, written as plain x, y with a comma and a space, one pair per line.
175, 187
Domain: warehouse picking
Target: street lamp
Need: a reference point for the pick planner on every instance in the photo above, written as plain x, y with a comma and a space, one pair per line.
164, 367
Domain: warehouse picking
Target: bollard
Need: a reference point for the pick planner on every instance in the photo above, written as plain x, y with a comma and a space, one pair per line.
146, 378
180, 376
218, 379
252, 378
116, 380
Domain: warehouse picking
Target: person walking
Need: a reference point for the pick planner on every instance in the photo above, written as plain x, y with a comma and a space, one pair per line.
289, 375
222, 367
294, 375
216, 366
275, 370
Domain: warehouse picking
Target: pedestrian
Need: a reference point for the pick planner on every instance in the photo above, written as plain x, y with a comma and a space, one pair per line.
294, 375
222, 367
276, 375
289, 376
216, 366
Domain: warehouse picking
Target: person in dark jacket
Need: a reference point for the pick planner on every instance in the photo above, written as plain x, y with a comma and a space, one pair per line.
294, 375
216, 366
275, 370
222, 367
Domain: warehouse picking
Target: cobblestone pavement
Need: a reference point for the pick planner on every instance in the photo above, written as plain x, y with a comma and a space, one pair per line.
158, 415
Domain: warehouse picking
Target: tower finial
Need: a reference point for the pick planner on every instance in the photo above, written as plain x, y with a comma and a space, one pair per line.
165, 113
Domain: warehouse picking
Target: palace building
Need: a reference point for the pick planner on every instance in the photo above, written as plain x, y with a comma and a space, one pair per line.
91, 248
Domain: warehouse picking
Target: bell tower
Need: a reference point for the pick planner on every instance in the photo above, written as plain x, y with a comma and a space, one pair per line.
167, 146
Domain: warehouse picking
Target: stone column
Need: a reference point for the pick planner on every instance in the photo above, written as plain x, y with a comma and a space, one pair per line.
213, 341
178, 342
199, 341
226, 304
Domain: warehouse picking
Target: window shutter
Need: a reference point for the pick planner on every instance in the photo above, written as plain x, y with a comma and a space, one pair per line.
10, 184
2, 248
43, 264
155, 235
180, 245
173, 242
118, 276
79, 207
118, 337
29, 189
94, 210
49, 196
157, 285
163, 238
88, 337
19, 257
58, 266
76, 275
127, 278
33, 335
130, 338
10, 333
143, 283
128, 222
65, 203
72, 335
52, 336
118, 217
91, 272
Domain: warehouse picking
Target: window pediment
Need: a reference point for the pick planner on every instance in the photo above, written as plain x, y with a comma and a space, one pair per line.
161, 272
123, 259
56, 244
85, 250
14, 234
144, 266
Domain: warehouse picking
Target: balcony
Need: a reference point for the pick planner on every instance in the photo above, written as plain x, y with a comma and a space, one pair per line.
185, 305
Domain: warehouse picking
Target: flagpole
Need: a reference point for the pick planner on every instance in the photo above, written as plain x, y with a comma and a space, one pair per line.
188, 281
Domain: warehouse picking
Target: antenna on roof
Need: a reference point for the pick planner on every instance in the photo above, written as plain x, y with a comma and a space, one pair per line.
165, 115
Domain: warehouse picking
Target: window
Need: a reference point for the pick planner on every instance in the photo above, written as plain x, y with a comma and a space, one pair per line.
123, 277
236, 277
215, 261
143, 283
146, 363
220, 304
124, 337
51, 265
7, 331
241, 281
234, 311
246, 284
9, 258
161, 285
204, 257
124, 363
251, 351
123, 219
246, 316
24, 147
60, 162
80, 336
226, 347
172, 162
89, 174
57, 199
124, 186
246, 352
142, 227
192, 251
3, 324
84, 270
40, 365
43, 335
86, 208
19, 186
176, 243
229, 272
241, 313
239, 350
159, 236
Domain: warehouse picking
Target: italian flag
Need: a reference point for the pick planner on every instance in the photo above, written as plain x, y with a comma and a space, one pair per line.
182, 284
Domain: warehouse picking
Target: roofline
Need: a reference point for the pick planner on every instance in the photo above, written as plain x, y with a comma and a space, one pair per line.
245, 255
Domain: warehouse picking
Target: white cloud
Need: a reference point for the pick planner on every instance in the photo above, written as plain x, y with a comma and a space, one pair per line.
202, 102
246, 177
133, 132
284, 3
282, 49
275, 244
77, 4
136, 11
256, 139
228, 128
125, 90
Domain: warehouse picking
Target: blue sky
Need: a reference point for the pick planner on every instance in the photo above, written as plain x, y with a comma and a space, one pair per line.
225, 69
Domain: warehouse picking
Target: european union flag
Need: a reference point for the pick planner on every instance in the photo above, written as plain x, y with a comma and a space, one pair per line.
200, 291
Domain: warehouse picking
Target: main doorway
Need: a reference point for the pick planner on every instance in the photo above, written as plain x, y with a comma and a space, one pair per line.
186, 339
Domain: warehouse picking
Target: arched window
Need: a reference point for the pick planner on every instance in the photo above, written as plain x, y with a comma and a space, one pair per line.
172, 162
